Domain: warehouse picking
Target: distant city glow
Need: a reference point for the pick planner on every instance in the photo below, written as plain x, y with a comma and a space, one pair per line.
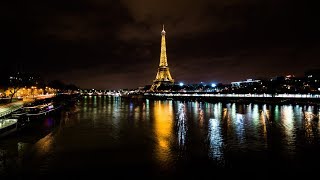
213, 85
181, 84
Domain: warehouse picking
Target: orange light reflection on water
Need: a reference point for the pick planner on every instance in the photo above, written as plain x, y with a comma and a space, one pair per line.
44, 145
163, 114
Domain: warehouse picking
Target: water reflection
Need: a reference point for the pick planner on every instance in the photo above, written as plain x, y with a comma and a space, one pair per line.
163, 120
201, 117
310, 124
236, 123
276, 115
181, 125
44, 145
168, 133
255, 115
216, 140
264, 120
147, 110
287, 122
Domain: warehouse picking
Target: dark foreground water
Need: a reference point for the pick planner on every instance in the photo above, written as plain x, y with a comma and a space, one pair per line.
115, 137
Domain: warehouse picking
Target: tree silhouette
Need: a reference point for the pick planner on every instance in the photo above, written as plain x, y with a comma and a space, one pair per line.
14, 83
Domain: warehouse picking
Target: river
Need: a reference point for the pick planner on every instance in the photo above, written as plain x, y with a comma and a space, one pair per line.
113, 136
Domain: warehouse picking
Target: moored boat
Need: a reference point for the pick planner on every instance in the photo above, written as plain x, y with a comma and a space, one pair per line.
35, 111
41, 110
18, 113
8, 126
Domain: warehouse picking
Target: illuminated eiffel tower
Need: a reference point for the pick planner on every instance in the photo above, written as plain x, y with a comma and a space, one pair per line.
163, 75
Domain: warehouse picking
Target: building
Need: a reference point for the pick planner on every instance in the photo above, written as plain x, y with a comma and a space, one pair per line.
313, 74
163, 76
246, 83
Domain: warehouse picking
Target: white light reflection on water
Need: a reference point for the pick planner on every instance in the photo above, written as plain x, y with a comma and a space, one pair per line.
216, 140
215, 134
237, 123
115, 111
146, 111
276, 115
298, 113
255, 115
253, 126
95, 109
287, 123
195, 108
298, 117
182, 125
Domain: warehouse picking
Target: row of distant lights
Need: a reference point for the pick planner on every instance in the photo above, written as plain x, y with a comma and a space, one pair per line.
212, 85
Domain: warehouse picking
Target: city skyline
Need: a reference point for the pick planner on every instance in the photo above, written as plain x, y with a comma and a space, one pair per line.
114, 45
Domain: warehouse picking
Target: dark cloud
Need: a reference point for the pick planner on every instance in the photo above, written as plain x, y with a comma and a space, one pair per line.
116, 44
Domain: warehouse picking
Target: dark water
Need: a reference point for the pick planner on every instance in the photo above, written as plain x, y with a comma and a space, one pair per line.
111, 136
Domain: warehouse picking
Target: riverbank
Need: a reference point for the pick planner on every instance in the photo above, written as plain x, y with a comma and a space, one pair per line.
24, 112
226, 99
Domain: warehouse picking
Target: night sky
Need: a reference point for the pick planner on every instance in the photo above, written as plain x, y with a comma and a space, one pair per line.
116, 44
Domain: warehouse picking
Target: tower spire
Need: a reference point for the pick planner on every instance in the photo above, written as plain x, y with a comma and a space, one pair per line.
163, 32
163, 75
163, 54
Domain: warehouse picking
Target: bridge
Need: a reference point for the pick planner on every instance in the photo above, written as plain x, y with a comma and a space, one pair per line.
234, 95
214, 96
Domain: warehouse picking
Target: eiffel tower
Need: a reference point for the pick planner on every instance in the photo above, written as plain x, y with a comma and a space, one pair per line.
163, 75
